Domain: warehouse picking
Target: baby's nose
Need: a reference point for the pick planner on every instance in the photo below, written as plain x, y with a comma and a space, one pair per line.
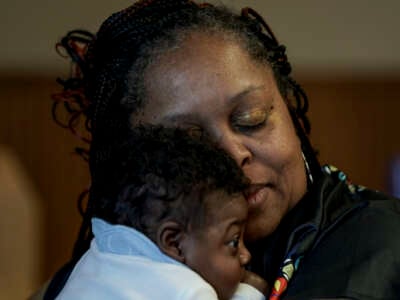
244, 256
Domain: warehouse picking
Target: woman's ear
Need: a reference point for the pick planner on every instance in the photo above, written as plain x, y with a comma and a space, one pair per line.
170, 236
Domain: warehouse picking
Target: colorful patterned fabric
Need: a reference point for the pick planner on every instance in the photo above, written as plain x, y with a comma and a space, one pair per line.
306, 236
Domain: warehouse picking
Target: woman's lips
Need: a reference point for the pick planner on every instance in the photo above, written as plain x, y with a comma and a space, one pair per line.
257, 194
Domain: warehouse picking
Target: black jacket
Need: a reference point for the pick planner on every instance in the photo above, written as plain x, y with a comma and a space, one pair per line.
342, 240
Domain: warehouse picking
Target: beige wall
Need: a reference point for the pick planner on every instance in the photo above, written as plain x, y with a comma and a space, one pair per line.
21, 230
45, 153
352, 36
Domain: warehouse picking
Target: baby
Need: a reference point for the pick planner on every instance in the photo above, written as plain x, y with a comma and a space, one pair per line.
168, 221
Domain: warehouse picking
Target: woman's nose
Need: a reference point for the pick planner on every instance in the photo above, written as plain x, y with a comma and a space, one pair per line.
244, 256
235, 147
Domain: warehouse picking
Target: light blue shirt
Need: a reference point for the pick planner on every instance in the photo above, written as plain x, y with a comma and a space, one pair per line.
124, 240
123, 264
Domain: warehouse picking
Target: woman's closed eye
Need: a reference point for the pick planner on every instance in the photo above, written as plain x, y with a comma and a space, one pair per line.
194, 131
250, 120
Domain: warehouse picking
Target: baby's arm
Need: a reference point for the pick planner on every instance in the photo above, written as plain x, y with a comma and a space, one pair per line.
252, 287
243, 292
256, 281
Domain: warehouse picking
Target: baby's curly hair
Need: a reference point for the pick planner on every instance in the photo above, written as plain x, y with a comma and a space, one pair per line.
159, 174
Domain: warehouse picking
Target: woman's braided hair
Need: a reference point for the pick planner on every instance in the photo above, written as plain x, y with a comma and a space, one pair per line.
106, 85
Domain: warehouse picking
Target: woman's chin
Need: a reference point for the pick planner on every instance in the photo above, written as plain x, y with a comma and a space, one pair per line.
264, 218
260, 227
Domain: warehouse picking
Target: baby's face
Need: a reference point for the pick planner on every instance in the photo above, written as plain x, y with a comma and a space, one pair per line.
216, 251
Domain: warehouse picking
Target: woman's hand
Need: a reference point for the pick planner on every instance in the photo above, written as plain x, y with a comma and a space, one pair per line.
256, 281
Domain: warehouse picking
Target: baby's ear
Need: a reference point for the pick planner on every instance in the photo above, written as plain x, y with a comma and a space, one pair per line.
170, 236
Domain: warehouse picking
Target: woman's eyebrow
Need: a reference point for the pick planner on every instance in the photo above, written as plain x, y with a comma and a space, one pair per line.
189, 116
245, 92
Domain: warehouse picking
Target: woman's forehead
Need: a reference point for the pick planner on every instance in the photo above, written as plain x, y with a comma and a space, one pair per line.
200, 74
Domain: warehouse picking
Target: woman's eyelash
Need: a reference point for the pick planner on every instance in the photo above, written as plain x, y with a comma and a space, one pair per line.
250, 128
250, 121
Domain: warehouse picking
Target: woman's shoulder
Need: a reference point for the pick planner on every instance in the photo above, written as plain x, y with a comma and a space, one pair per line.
356, 252
358, 257
378, 224
336, 188
370, 217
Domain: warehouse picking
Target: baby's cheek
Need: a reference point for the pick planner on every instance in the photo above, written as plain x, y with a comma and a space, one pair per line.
233, 276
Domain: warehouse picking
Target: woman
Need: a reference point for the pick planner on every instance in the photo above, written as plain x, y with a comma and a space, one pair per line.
211, 72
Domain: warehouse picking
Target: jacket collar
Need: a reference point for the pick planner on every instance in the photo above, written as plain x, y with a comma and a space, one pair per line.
331, 200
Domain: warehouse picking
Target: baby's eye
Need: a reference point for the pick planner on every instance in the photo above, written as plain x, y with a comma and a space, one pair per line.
234, 243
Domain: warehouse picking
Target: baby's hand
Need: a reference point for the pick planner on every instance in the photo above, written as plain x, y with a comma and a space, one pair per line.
256, 281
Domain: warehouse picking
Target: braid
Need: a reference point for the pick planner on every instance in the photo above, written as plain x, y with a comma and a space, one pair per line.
289, 88
106, 85
277, 58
